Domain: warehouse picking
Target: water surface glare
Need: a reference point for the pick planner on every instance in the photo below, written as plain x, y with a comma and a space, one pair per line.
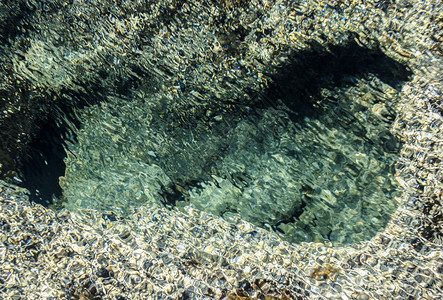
326, 175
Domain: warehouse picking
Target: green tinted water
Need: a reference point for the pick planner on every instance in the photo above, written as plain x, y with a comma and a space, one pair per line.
326, 175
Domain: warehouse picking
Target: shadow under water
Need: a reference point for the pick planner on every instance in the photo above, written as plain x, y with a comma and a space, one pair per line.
312, 158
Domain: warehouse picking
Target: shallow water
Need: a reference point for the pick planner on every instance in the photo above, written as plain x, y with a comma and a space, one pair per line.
244, 111
323, 175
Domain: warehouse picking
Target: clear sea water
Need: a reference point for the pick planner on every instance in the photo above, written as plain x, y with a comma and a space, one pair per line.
324, 172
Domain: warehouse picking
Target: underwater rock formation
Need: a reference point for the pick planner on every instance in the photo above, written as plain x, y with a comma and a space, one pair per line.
178, 92
194, 104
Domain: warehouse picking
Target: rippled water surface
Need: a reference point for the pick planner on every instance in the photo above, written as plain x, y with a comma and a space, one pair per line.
324, 172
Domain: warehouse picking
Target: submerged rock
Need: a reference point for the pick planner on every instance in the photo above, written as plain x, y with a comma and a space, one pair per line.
217, 106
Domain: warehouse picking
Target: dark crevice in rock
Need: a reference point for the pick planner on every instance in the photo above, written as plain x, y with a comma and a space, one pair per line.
298, 84
41, 161
44, 164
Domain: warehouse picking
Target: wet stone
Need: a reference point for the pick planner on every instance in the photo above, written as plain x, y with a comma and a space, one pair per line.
288, 145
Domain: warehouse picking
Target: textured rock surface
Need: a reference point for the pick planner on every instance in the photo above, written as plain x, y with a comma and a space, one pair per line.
160, 253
